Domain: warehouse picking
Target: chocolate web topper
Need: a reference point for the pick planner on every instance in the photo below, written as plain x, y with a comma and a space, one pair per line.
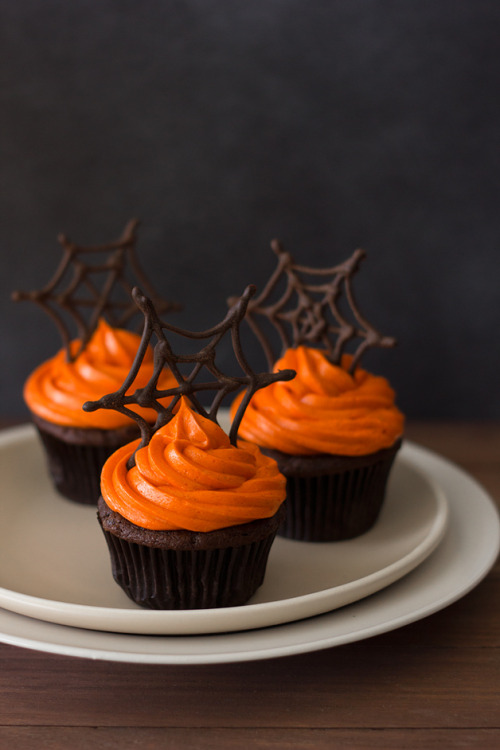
200, 362
112, 300
307, 312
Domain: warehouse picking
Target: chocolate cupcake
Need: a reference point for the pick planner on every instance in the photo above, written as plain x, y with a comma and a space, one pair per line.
334, 437
334, 429
192, 524
188, 515
77, 443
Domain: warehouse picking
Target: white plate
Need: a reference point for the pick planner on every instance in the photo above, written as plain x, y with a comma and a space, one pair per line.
465, 555
54, 563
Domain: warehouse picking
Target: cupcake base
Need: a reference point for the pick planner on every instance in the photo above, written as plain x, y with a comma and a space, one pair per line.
331, 498
76, 456
187, 569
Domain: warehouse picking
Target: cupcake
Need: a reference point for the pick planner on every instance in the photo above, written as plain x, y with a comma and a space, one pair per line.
90, 364
188, 513
191, 524
76, 442
334, 436
334, 429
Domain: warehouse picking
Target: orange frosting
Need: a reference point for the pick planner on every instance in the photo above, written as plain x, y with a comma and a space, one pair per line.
57, 389
190, 477
323, 410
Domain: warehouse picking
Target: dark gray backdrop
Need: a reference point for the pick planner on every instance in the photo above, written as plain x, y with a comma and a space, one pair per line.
222, 124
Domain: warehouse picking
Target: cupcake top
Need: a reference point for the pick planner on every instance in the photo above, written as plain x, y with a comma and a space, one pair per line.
189, 476
89, 298
57, 389
332, 406
324, 410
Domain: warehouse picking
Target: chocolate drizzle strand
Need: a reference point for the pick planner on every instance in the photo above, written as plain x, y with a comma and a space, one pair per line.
307, 311
186, 368
93, 282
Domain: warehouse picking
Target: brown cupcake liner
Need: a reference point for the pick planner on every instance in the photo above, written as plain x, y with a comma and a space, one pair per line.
75, 467
181, 578
200, 579
335, 505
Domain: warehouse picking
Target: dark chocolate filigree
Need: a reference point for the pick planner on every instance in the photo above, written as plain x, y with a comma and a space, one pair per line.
307, 311
74, 292
202, 361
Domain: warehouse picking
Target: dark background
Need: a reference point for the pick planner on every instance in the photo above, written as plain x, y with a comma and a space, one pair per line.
223, 124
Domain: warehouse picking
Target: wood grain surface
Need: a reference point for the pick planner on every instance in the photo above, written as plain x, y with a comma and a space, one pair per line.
432, 684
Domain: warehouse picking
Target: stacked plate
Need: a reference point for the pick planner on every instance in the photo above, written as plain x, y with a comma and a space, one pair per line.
437, 537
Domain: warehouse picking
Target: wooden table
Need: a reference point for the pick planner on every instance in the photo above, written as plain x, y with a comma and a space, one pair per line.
432, 684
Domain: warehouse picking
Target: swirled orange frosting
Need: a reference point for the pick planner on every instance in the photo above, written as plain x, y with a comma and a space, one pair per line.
191, 477
323, 410
57, 389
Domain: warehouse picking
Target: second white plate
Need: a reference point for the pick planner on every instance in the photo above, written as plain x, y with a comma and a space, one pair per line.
54, 564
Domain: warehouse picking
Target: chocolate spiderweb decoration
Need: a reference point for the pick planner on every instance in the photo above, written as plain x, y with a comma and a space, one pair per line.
203, 360
307, 312
74, 293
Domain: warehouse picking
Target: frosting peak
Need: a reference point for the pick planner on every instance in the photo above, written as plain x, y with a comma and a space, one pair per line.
57, 389
324, 409
190, 477
190, 426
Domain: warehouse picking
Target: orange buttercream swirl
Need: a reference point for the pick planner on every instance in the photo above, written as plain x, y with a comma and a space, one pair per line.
57, 389
191, 477
323, 410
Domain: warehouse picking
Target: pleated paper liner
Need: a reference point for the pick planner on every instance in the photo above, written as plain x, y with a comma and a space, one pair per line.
185, 569
341, 501
75, 457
